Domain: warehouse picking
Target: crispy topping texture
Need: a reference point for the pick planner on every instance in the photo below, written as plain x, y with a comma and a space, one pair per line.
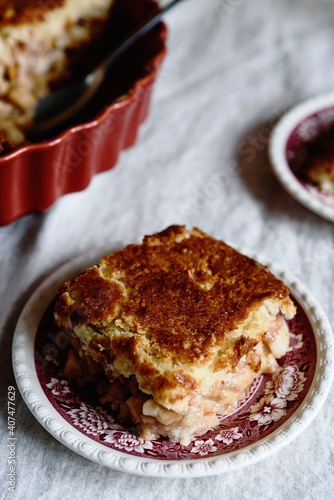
23, 11
90, 298
182, 291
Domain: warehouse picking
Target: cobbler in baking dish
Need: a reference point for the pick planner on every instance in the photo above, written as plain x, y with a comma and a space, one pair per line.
41, 45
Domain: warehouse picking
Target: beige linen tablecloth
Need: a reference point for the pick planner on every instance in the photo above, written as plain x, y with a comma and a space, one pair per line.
232, 67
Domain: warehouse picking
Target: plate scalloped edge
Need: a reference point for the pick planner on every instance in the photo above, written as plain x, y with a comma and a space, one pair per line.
277, 144
33, 395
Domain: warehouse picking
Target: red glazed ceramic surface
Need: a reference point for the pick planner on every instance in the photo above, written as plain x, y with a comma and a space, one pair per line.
33, 177
271, 401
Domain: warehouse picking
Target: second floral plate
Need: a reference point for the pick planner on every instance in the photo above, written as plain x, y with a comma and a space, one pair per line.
277, 408
289, 148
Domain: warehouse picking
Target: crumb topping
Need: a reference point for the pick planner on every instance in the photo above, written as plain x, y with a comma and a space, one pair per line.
182, 290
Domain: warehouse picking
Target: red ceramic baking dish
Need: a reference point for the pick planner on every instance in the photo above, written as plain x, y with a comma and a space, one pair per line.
33, 177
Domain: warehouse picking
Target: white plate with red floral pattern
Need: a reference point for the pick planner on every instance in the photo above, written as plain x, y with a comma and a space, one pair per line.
277, 408
288, 148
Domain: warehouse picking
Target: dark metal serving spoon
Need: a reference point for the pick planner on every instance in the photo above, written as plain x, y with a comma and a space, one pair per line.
59, 107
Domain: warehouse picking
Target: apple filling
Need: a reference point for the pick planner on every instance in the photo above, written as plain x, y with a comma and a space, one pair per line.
198, 413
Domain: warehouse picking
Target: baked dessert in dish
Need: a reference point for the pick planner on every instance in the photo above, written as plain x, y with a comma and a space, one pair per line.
110, 125
41, 44
174, 331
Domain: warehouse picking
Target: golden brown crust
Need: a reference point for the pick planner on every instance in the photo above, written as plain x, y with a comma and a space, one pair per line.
96, 299
171, 307
25, 11
167, 293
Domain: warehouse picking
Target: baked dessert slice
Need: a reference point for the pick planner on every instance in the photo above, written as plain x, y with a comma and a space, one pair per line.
40, 44
180, 326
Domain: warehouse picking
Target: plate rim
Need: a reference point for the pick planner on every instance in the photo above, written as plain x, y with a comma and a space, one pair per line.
32, 393
276, 149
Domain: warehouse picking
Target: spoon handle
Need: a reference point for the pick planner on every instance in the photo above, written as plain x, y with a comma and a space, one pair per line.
94, 79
